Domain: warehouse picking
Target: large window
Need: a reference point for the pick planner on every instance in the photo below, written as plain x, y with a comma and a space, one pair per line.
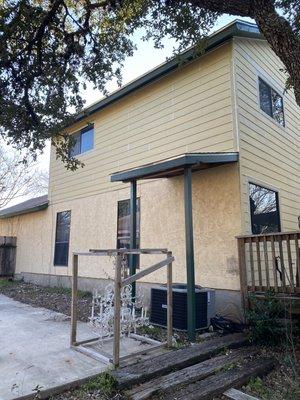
84, 140
61, 252
264, 207
271, 102
123, 234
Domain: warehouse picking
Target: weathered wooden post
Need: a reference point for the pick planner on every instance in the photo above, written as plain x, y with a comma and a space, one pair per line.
169, 302
117, 310
243, 272
74, 300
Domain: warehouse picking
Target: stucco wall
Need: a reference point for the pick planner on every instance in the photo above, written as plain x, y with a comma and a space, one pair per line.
216, 208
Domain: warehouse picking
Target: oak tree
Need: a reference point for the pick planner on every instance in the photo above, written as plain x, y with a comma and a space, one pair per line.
50, 49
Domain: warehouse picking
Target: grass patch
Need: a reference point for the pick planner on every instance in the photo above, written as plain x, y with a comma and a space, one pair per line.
150, 330
104, 382
66, 292
6, 283
257, 387
230, 367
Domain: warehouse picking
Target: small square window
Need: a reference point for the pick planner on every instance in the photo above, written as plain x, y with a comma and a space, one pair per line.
84, 141
264, 208
271, 102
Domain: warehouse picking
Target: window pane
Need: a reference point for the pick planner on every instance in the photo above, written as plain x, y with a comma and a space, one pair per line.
76, 147
123, 234
265, 97
61, 253
87, 139
264, 210
277, 104
63, 226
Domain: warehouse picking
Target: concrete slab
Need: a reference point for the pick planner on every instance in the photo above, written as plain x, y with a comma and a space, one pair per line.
34, 350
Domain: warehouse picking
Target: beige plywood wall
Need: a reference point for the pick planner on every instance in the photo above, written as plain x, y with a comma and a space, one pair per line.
216, 208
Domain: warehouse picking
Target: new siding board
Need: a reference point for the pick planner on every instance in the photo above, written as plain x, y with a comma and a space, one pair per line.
269, 153
188, 110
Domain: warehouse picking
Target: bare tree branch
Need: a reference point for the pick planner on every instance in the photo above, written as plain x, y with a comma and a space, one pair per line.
19, 178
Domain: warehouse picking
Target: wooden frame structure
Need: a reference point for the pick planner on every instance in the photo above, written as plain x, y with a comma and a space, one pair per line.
118, 284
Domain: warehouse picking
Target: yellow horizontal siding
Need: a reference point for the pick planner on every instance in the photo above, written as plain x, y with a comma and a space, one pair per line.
189, 110
269, 153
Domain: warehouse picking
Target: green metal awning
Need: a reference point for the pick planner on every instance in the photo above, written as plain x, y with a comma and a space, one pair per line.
175, 166
184, 165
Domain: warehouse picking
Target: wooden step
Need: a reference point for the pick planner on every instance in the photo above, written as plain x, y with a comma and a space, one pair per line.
216, 385
234, 394
187, 375
176, 359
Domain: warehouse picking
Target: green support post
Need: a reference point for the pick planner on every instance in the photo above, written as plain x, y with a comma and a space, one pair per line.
132, 257
189, 240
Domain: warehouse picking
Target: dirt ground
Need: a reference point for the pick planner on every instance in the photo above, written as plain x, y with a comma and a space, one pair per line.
281, 384
53, 298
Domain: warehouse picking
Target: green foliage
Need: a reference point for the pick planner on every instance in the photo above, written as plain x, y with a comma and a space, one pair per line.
4, 283
151, 330
256, 386
229, 367
264, 319
104, 382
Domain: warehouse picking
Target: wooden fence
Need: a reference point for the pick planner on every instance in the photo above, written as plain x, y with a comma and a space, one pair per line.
270, 261
8, 246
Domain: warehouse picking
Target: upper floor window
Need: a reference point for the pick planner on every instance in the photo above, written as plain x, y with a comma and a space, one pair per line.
84, 140
271, 102
264, 208
61, 251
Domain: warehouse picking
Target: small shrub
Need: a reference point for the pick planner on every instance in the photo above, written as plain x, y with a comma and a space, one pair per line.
257, 387
104, 382
264, 320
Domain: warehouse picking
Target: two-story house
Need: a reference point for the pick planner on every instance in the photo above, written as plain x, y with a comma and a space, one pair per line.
226, 116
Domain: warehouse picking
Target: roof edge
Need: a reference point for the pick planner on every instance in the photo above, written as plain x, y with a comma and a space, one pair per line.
236, 28
28, 206
27, 211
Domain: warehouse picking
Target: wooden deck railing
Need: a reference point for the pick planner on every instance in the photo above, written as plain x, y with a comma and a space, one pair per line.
270, 261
